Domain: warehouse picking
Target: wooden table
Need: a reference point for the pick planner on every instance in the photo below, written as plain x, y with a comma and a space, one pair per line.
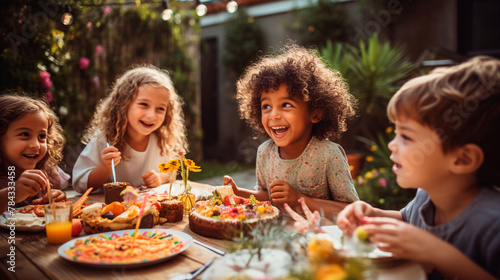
35, 259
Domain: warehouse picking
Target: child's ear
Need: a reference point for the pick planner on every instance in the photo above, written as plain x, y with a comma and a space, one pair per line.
316, 116
468, 159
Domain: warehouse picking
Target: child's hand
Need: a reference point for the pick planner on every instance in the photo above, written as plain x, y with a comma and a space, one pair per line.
108, 154
31, 182
57, 195
282, 192
151, 179
352, 216
403, 240
227, 180
303, 225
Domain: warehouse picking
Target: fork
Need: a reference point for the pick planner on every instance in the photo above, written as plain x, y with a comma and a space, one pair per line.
192, 274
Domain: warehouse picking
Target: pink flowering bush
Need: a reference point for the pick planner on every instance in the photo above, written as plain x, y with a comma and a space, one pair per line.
44, 80
106, 10
377, 183
46, 84
48, 95
84, 63
98, 50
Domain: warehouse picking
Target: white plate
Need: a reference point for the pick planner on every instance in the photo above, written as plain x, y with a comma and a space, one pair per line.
33, 228
176, 190
378, 256
273, 264
183, 237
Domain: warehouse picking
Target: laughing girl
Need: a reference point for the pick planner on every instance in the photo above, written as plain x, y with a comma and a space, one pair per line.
31, 144
143, 123
300, 104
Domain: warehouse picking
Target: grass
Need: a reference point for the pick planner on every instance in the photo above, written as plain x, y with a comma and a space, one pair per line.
211, 169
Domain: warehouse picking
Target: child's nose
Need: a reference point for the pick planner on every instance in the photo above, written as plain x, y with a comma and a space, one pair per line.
35, 144
392, 145
151, 113
275, 115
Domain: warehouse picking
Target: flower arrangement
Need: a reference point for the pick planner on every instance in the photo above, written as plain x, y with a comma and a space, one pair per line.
183, 165
273, 252
377, 183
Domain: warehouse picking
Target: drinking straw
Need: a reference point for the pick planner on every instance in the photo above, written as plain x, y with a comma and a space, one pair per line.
49, 193
112, 165
51, 201
140, 213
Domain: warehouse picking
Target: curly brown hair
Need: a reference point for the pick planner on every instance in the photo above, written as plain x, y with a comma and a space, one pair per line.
110, 117
307, 77
462, 104
15, 105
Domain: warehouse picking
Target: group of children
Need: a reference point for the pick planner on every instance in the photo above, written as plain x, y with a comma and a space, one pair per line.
445, 146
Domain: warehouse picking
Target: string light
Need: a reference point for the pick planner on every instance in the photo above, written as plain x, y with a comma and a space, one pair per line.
231, 6
201, 9
67, 17
167, 12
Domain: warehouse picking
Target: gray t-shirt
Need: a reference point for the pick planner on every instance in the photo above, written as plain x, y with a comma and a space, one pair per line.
475, 232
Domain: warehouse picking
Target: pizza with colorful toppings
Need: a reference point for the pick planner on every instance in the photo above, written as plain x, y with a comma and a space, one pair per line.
126, 248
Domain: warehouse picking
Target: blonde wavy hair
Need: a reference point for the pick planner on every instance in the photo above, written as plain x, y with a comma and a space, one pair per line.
110, 117
306, 77
17, 104
462, 104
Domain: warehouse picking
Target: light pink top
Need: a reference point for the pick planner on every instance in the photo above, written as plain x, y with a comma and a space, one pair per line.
321, 171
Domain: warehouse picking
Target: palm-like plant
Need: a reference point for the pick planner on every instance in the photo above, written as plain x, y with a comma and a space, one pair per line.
377, 70
374, 71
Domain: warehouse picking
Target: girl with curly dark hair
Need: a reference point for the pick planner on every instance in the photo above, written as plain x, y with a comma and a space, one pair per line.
302, 105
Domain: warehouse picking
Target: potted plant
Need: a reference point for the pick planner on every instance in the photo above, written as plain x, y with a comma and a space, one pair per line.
374, 71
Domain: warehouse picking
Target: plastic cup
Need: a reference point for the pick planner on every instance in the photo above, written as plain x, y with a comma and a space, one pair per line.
58, 222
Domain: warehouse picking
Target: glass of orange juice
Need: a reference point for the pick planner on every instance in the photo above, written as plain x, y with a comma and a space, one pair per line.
58, 222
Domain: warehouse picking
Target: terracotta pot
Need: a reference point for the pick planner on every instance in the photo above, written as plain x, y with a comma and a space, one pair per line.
355, 161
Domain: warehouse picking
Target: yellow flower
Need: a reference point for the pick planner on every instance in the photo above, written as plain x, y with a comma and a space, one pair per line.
389, 129
162, 167
191, 165
171, 165
189, 162
373, 148
368, 175
351, 167
195, 168
369, 158
321, 250
330, 272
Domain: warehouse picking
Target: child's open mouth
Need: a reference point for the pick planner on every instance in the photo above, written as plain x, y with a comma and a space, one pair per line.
279, 130
396, 167
146, 124
31, 156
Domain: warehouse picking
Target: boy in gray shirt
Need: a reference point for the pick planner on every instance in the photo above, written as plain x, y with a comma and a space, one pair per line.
446, 146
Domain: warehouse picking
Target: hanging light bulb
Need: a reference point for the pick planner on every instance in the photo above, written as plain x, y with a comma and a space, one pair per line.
201, 9
67, 17
231, 6
167, 13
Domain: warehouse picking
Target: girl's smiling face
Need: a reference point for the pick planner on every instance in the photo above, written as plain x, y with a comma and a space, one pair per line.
147, 111
419, 160
24, 143
288, 121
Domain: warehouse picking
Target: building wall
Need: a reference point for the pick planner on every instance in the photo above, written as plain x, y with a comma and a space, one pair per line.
418, 25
